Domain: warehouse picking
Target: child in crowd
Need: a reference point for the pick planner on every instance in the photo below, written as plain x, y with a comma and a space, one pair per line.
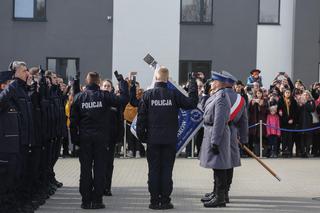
273, 131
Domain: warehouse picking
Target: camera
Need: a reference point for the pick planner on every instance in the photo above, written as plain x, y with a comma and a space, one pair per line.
150, 60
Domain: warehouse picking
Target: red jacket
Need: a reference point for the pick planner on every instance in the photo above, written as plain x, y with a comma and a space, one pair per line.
274, 121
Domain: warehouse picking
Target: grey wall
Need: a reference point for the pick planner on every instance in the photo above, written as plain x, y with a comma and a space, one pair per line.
306, 41
74, 28
231, 42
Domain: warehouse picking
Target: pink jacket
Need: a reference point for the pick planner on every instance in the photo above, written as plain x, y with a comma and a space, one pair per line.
273, 120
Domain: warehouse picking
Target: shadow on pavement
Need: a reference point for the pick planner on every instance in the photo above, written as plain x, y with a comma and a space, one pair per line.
136, 199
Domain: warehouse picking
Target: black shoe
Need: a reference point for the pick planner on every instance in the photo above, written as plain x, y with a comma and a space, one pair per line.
58, 184
208, 194
215, 203
98, 206
27, 208
167, 206
154, 206
86, 205
207, 197
107, 193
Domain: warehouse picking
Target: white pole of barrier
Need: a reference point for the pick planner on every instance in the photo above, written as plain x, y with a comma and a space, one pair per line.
125, 139
260, 138
192, 147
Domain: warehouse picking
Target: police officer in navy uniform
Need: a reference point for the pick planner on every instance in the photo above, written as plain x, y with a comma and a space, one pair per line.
90, 127
36, 148
238, 124
57, 121
215, 151
9, 151
157, 125
16, 96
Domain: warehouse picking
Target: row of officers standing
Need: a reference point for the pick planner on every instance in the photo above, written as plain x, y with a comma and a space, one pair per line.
32, 128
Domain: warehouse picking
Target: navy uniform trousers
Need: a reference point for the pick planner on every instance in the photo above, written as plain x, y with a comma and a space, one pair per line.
161, 159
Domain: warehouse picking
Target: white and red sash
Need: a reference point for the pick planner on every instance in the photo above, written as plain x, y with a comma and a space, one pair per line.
236, 107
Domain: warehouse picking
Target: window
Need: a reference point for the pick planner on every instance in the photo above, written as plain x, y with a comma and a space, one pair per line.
193, 66
196, 11
67, 68
269, 12
29, 10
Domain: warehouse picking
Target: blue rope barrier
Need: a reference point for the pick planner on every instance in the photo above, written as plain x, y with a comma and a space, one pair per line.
257, 124
292, 130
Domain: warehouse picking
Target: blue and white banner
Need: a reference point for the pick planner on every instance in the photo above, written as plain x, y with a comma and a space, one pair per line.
190, 121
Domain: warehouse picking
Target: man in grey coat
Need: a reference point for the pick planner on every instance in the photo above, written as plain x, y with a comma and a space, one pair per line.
238, 124
215, 150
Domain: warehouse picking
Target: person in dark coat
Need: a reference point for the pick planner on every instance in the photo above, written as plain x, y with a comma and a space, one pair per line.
306, 108
257, 111
90, 127
115, 117
287, 109
16, 95
157, 125
9, 151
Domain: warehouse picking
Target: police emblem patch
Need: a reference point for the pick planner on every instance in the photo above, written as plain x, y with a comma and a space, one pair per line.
195, 115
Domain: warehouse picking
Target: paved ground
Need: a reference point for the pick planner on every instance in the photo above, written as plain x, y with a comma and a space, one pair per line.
253, 190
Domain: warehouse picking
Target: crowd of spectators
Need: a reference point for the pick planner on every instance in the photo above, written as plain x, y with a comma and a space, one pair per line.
289, 112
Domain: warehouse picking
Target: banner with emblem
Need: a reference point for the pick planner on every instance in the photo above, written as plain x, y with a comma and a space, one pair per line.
190, 121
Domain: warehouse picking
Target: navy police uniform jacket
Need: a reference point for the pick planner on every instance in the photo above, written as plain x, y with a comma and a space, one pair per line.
89, 113
16, 96
157, 121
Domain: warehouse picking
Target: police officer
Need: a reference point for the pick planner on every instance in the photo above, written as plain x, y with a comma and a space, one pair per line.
90, 128
57, 129
36, 148
16, 96
157, 125
115, 118
238, 123
9, 151
215, 150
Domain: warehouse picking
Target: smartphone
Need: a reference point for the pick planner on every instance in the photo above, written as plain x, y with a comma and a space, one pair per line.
148, 59
133, 73
116, 73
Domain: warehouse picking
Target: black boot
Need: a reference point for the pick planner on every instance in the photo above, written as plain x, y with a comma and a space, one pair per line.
107, 192
226, 196
216, 201
207, 197
98, 206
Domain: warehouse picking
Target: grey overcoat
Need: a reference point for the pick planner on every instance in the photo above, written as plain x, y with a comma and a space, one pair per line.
216, 131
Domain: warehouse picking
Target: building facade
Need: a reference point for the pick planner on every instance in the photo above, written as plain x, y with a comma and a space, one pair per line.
184, 35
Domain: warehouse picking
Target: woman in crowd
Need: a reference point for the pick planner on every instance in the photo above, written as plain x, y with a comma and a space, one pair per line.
116, 120
257, 111
287, 111
306, 108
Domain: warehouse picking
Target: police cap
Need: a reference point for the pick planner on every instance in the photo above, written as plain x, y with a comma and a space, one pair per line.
216, 76
231, 78
5, 76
